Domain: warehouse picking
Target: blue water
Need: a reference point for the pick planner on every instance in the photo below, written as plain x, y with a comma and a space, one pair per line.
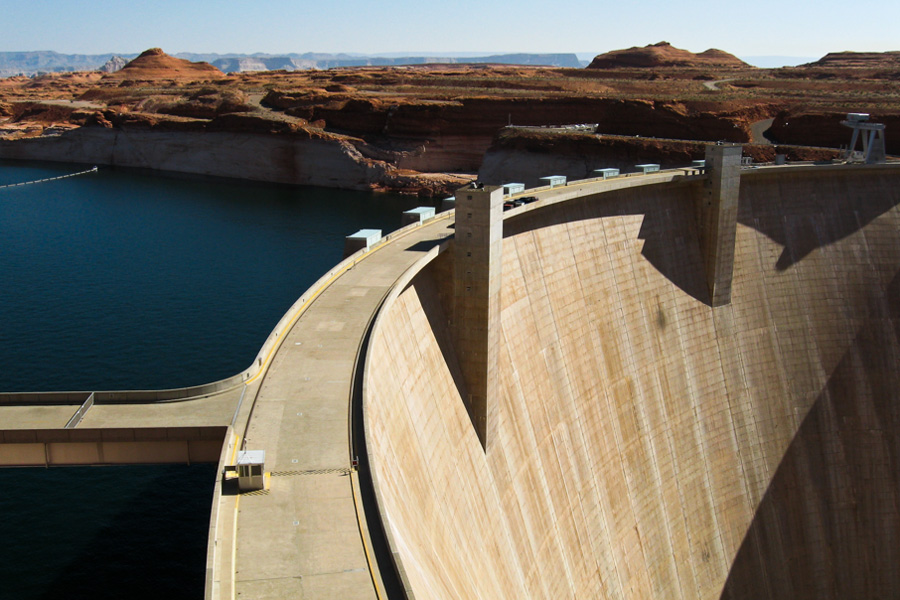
122, 280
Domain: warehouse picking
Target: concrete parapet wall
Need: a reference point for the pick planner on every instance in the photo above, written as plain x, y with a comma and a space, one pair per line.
649, 445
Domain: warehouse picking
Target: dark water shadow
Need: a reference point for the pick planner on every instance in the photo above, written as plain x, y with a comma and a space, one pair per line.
828, 525
844, 203
668, 229
153, 547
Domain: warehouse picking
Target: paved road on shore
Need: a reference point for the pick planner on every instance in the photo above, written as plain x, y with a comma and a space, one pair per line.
714, 85
758, 129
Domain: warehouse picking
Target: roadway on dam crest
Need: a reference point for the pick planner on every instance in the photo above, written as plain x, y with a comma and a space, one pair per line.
304, 536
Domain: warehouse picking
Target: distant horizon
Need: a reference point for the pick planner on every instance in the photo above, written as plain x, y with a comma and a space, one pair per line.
277, 27
760, 61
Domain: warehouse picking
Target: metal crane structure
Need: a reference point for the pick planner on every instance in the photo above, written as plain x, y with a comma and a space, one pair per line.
872, 135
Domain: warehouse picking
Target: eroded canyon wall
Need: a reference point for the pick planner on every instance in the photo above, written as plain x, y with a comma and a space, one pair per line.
255, 157
648, 445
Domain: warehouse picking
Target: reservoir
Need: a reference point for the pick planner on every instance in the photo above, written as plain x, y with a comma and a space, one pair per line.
125, 280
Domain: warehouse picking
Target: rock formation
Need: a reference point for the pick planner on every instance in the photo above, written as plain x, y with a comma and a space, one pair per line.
414, 120
244, 146
525, 155
116, 63
857, 60
663, 54
823, 128
254, 63
154, 64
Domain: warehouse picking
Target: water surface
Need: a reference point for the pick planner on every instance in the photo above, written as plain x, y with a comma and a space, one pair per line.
125, 280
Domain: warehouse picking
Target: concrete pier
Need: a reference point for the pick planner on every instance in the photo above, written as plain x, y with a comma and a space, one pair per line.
717, 211
476, 300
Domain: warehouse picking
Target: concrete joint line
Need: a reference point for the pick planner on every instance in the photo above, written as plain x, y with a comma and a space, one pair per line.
270, 579
342, 471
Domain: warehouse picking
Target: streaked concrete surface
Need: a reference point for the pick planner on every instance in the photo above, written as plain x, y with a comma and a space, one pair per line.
650, 445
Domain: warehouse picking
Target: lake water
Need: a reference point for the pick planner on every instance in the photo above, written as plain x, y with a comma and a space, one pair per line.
123, 280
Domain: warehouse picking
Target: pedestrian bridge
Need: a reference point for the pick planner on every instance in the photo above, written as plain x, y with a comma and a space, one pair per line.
649, 440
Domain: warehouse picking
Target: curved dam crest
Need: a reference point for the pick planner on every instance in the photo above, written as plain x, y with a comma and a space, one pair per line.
653, 436
649, 445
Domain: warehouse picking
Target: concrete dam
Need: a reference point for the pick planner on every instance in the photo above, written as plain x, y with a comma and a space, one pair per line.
620, 390
648, 444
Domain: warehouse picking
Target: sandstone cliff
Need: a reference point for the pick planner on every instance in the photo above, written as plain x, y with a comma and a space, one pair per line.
452, 135
297, 158
116, 63
444, 118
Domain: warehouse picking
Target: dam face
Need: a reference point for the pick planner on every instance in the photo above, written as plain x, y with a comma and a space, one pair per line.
649, 445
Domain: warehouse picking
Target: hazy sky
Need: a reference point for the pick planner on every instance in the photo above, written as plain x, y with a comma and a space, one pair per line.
750, 28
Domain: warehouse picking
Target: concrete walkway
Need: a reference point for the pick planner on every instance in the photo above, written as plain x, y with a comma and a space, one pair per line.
305, 536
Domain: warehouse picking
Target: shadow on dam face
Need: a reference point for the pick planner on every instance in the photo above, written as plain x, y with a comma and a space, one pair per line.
828, 525
668, 229
649, 445
842, 204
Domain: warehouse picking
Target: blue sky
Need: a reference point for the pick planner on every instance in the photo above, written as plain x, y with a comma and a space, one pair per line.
752, 28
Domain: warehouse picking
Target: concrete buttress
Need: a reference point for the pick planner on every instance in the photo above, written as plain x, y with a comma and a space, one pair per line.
476, 300
717, 215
